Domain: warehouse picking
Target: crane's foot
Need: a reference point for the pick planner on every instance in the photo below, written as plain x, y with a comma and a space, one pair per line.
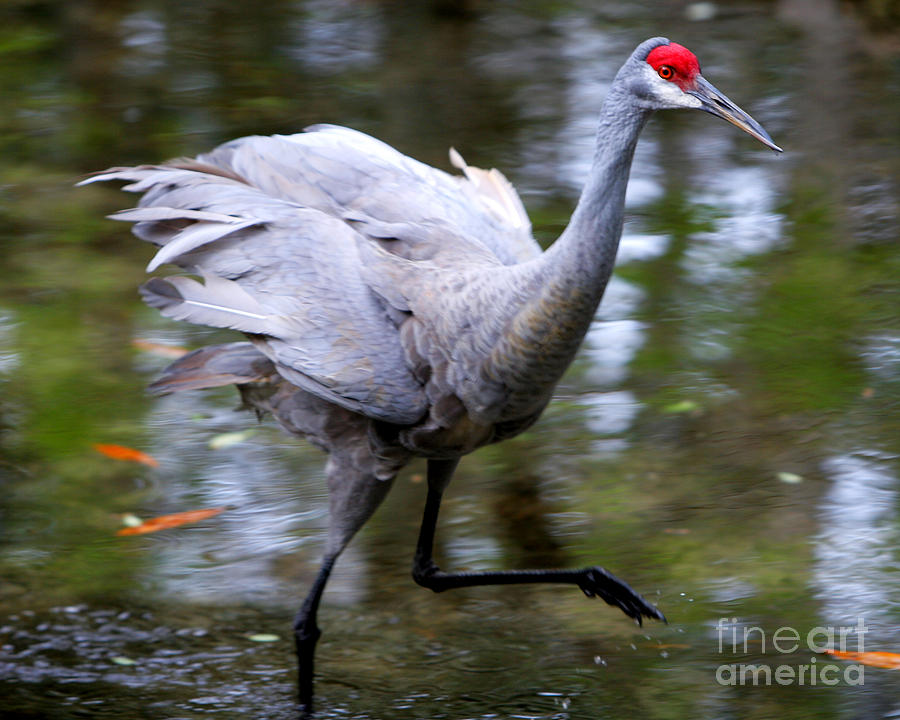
598, 582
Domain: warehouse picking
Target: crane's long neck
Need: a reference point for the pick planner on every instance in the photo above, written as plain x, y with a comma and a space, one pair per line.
580, 262
566, 284
581, 259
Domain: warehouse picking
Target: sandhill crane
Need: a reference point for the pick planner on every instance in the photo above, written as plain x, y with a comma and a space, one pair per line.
394, 310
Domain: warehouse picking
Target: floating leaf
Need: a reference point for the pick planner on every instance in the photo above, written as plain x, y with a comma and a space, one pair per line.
163, 522
682, 406
226, 440
131, 520
122, 660
120, 452
263, 637
790, 478
875, 659
159, 349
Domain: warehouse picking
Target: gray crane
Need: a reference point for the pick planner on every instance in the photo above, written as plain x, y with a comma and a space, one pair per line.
393, 310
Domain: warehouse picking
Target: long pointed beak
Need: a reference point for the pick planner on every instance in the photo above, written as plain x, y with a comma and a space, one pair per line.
717, 104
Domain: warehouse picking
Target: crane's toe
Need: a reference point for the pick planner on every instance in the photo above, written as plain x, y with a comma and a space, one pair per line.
598, 582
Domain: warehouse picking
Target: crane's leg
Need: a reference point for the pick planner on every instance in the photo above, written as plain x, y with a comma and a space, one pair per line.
353, 497
593, 581
306, 635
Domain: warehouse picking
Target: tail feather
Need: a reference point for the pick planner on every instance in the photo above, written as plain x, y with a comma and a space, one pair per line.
237, 363
218, 302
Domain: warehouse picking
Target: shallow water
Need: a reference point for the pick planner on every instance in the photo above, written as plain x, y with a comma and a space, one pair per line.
727, 440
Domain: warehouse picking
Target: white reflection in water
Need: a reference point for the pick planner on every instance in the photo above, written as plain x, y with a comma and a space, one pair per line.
472, 552
613, 338
144, 30
621, 300
710, 344
856, 568
334, 37
641, 188
640, 247
745, 198
609, 413
9, 357
882, 356
875, 216
610, 346
238, 553
144, 34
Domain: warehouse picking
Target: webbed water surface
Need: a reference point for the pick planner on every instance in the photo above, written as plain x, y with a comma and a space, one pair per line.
727, 440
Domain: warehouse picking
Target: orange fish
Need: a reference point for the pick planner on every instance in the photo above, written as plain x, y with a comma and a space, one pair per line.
163, 522
120, 452
875, 659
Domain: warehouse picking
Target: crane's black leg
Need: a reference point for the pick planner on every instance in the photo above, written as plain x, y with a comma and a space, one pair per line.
306, 635
593, 581
353, 495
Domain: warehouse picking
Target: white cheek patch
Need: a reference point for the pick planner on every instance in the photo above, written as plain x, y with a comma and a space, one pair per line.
667, 94
673, 94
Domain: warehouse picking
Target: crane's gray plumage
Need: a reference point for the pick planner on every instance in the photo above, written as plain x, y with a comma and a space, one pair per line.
284, 228
394, 309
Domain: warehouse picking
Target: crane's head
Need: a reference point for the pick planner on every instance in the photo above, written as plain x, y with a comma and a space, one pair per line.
666, 75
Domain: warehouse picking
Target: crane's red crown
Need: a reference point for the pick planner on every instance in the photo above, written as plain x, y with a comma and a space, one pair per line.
683, 64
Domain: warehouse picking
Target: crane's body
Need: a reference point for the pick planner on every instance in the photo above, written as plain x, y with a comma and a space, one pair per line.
394, 310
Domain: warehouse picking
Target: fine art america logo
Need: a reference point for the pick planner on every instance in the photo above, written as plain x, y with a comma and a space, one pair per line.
740, 639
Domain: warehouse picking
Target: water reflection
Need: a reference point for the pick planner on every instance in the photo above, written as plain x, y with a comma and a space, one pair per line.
9, 358
337, 37
746, 223
241, 554
615, 336
856, 563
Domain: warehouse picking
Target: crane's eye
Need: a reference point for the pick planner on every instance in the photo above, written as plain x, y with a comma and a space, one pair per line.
666, 72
